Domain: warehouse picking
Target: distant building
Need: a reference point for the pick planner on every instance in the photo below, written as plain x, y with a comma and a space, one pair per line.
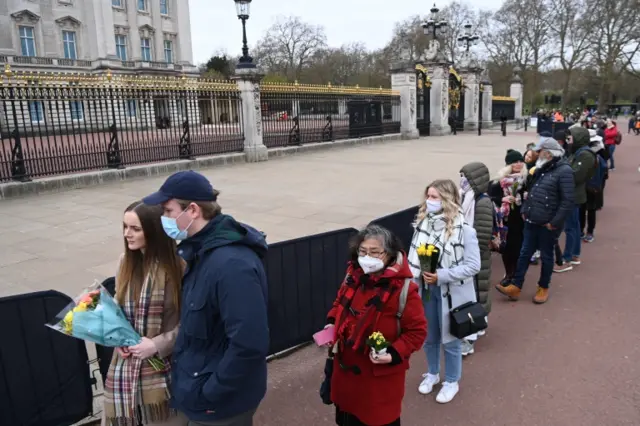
128, 36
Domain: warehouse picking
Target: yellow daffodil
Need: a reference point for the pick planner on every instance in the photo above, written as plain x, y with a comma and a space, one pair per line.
68, 322
82, 307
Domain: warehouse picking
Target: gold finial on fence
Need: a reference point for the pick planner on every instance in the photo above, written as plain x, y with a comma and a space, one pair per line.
109, 75
7, 71
329, 85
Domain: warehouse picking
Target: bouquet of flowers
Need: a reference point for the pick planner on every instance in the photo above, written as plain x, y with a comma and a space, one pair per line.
378, 343
428, 255
95, 316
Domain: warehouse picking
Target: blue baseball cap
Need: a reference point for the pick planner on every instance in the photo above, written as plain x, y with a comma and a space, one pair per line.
187, 185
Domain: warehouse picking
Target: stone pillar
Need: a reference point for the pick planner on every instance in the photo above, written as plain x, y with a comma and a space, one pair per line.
184, 53
516, 91
342, 108
403, 80
439, 74
135, 51
487, 100
104, 30
248, 80
471, 79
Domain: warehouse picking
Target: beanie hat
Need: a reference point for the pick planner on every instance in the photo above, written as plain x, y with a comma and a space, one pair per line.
560, 135
513, 156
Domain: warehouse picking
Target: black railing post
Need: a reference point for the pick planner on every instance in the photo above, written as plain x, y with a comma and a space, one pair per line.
526, 123
185, 151
503, 124
18, 166
480, 110
114, 158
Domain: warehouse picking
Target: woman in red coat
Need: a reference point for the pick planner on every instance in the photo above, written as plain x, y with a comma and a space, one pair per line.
610, 136
367, 389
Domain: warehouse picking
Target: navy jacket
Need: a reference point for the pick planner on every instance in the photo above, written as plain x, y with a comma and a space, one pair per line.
551, 194
219, 360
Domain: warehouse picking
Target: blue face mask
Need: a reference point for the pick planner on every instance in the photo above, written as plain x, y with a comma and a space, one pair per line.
434, 206
170, 226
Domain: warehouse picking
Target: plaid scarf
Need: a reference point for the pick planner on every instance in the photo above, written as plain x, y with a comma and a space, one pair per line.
135, 392
354, 335
433, 230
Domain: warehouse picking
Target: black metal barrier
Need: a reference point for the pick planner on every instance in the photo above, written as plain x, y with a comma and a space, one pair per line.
551, 126
400, 224
304, 276
44, 375
105, 353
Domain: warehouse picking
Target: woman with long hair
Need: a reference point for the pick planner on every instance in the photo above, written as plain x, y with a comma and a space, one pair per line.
507, 192
367, 388
440, 222
148, 285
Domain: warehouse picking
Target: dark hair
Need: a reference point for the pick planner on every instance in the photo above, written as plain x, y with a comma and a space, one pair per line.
159, 247
390, 242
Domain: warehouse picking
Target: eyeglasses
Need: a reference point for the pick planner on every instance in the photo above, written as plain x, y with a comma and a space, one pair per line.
373, 253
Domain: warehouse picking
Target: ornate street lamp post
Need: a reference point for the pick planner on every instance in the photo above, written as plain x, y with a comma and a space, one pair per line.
433, 26
242, 9
466, 40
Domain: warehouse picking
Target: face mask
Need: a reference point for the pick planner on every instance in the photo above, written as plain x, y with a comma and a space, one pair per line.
464, 184
170, 226
370, 264
434, 206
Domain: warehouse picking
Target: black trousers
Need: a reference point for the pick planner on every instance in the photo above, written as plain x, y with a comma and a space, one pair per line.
346, 419
588, 219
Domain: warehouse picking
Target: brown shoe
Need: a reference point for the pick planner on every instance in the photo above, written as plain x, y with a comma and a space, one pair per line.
511, 291
542, 295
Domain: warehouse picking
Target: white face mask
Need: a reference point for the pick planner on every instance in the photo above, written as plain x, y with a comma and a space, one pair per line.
434, 206
370, 264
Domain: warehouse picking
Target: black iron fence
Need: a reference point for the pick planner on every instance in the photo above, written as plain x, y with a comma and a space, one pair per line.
294, 114
50, 126
551, 126
503, 107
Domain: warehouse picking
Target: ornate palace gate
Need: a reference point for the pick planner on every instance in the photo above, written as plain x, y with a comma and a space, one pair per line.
456, 100
423, 100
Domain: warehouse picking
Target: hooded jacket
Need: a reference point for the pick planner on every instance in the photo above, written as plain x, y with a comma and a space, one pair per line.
479, 178
582, 161
219, 361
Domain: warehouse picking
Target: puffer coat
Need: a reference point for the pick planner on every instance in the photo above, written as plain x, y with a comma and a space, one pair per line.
479, 178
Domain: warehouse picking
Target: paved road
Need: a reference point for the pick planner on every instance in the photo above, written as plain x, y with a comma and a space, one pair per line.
573, 361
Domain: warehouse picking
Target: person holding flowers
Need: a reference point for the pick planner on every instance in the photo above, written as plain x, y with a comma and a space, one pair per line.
372, 345
440, 223
148, 290
507, 192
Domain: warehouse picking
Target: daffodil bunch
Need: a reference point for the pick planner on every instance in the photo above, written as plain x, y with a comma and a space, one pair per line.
377, 342
88, 302
428, 255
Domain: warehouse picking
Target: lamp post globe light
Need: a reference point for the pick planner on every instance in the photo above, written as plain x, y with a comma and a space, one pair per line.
433, 26
466, 40
243, 8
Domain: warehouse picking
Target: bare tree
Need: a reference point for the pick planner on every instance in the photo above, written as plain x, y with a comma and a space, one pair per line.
457, 14
615, 35
408, 42
569, 26
289, 45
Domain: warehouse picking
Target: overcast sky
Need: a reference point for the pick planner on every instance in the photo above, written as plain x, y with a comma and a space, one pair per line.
215, 26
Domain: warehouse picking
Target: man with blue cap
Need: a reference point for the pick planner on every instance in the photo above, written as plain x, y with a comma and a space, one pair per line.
219, 371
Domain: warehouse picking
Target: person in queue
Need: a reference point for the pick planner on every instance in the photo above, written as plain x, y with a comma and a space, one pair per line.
367, 389
549, 201
219, 371
148, 286
440, 222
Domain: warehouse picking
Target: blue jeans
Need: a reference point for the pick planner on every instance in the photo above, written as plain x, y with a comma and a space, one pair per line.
573, 241
612, 149
536, 237
452, 350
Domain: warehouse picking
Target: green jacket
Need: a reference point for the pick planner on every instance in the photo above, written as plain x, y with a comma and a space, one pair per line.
478, 176
583, 164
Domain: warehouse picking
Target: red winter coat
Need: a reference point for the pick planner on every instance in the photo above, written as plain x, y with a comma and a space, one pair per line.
610, 135
375, 395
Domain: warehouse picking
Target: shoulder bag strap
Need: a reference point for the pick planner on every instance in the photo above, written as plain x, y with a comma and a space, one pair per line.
403, 302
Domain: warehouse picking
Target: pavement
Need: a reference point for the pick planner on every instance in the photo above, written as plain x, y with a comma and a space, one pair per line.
66, 240
572, 361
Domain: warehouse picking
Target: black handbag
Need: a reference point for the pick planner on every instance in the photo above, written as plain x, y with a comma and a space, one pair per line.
466, 319
325, 387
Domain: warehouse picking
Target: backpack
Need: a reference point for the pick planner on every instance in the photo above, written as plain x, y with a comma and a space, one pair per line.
595, 183
618, 138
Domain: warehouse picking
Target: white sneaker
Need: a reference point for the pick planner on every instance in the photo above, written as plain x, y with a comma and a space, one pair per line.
426, 386
448, 392
467, 348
